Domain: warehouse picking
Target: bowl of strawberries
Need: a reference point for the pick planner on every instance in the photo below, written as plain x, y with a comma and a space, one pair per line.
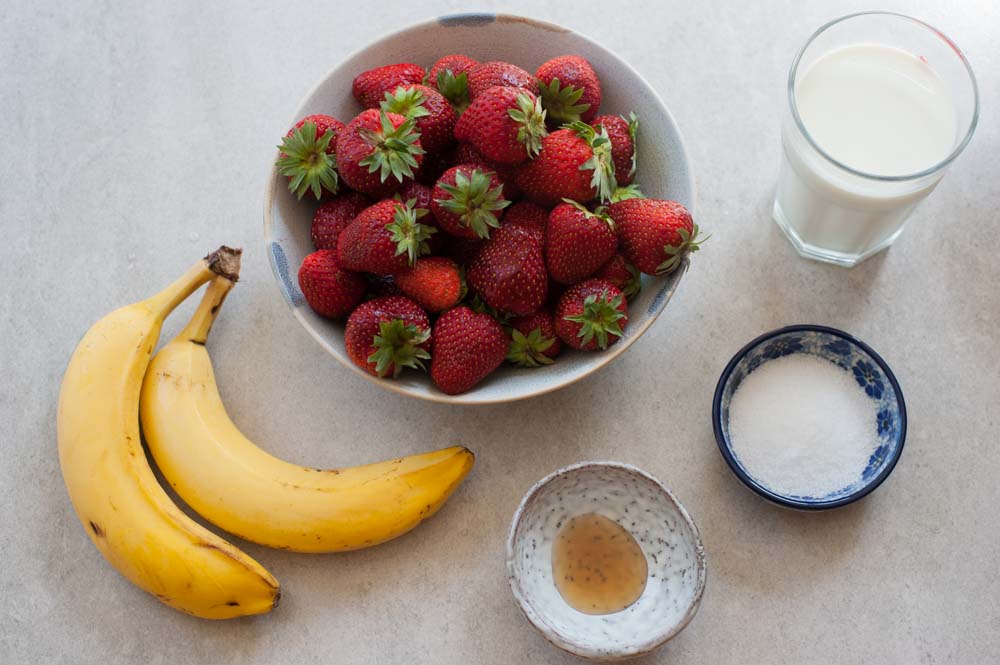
480, 208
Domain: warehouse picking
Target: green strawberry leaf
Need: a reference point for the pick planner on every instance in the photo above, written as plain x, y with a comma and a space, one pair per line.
600, 318
528, 350
397, 345
395, 149
634, 283
454, 88
600, 162
628, 192
409, 234
633, 132
474, 201
530, 118
406, 101
305, 161
690, 242
562, 103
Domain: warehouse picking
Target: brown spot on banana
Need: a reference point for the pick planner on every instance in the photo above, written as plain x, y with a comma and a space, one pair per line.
96, 528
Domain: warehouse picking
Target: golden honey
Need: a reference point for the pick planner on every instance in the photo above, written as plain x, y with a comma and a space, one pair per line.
598, 567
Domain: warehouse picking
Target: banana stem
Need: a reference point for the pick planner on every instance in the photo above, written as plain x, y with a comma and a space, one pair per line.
224, 261
200, 325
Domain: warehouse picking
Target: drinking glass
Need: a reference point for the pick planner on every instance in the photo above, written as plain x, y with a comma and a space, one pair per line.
832, 211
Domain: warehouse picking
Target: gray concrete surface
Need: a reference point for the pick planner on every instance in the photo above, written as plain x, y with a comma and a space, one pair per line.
136, 138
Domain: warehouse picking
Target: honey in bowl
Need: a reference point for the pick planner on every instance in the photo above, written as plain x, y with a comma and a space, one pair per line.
598, 567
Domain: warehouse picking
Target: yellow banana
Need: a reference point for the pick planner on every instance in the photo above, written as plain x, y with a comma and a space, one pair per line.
239, 487
123, 509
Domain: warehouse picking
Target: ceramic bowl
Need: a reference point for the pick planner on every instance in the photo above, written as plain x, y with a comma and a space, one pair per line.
873, 377
644, 507
662, 172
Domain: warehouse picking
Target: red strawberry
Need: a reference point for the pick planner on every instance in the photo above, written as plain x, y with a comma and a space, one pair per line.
329, 289
622, 133
468, 201
456, 63
333, 217
577, 242
307, 156
486, 75
655, 235
449, 75
385, 238
324, 124
509, 272
370, 87
466, 154
505, 125
435, 282
575, 163
570, 89
433, 115
528, 216
622, 274
533, 340
386, 334
377, 151
591, 315
468, 347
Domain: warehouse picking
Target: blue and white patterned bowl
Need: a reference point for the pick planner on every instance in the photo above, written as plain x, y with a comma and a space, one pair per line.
662, 171
873, 376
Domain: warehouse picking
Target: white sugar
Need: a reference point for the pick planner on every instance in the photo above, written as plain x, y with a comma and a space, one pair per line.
801, 426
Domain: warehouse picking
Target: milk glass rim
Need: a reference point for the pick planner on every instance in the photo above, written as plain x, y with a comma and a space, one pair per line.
874, 176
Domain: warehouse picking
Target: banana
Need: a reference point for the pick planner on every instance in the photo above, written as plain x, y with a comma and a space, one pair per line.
123, 509
239, 487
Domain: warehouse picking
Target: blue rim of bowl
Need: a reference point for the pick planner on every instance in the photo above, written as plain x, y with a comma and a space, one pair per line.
727, 454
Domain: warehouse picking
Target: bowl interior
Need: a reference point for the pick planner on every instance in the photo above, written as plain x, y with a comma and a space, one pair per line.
642, 506
872, 376
662, 172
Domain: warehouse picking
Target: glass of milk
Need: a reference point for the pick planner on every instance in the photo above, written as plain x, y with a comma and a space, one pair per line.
879, 105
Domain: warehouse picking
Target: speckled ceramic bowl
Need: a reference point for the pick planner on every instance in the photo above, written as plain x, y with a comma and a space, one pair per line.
872, 376
644, 507
662, 171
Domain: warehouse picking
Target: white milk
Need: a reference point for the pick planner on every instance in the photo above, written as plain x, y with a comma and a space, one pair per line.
876, 109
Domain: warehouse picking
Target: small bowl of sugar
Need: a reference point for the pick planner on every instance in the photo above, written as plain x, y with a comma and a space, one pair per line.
809, 417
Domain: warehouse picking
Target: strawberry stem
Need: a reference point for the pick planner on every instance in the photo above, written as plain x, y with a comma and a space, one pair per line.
562, 102
530, 117
409, 234
600, 162
599, 319
529, 350
627, 192
398, 345
474, 201
633, 132
395, 149
454, 88
690, 242
406, 101
305, 161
